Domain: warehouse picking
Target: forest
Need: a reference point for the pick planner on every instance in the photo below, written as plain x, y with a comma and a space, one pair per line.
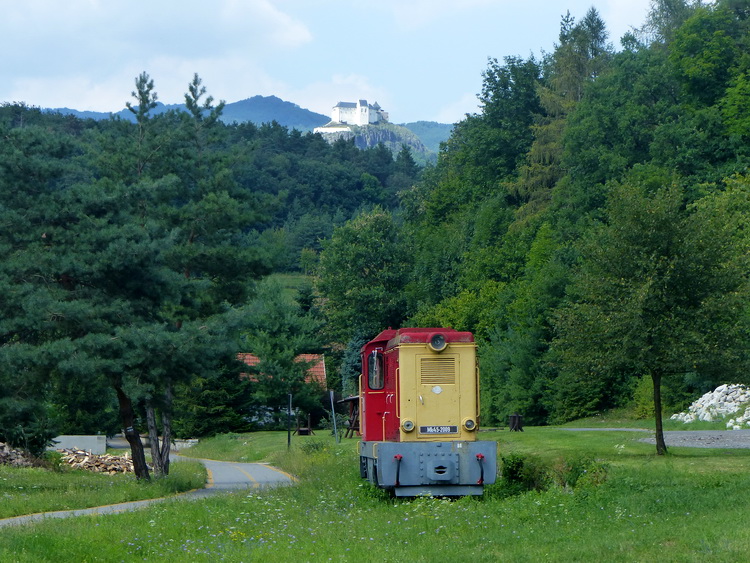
588, 225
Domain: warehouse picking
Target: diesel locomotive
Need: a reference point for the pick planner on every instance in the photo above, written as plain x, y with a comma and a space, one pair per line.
419, 414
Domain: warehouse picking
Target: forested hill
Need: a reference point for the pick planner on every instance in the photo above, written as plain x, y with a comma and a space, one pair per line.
131, 259
589, 225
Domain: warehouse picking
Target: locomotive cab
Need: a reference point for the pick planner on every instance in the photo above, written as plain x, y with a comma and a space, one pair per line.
419, 414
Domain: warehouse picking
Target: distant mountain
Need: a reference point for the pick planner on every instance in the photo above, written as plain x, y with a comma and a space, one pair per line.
125, 114
258, 109
430, 133
265, 109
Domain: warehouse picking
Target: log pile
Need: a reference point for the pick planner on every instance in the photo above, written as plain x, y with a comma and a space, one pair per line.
14, 458
106, 463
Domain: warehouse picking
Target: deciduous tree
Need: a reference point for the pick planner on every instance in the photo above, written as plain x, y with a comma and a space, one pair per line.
662, 291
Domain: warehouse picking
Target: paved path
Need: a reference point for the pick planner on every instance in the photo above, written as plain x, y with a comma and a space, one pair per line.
223, 476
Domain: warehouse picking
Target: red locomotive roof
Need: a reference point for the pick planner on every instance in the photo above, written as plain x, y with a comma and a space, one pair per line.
419, 335
423, 335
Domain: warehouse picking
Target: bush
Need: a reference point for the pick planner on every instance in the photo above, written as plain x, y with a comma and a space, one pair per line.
520, 474
579, 471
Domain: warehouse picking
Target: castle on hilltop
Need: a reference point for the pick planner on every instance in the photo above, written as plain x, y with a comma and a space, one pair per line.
354, 113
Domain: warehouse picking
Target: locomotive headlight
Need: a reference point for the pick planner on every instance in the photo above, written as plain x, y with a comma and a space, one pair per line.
470, 424
437, 342
407, 425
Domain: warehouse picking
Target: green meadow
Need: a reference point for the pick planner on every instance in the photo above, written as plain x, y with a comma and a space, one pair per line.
574, 496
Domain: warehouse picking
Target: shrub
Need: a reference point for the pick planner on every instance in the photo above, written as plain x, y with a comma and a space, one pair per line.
579, 471
520, 474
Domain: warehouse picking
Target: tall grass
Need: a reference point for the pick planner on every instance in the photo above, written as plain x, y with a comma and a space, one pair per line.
687, 506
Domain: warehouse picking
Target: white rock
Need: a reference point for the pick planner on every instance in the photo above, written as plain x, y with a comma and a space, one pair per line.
726, 399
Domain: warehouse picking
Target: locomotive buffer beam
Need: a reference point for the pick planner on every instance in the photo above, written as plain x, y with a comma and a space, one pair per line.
410, 469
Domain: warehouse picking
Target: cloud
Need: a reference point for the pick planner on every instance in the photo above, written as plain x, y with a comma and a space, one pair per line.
456, 110
320, 96
420, 13
86, 53
260, 16
618, 14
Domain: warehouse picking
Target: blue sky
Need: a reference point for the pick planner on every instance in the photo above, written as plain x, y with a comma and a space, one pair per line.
420, 59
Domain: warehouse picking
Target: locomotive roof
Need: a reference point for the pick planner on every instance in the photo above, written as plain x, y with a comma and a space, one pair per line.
420, 335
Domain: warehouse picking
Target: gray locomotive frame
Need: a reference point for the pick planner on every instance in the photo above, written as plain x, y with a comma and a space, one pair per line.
411, 469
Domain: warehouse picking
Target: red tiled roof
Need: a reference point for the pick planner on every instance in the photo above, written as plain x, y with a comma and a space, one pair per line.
316, 372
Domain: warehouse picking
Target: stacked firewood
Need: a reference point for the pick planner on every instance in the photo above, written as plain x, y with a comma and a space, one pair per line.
16, 458
106, 463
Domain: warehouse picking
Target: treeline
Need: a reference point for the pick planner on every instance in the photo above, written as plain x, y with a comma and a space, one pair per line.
131, 259
589, 224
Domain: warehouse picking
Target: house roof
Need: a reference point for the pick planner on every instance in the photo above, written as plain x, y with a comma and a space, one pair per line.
315, 373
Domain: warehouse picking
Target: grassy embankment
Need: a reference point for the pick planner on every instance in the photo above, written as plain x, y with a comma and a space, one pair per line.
687, 506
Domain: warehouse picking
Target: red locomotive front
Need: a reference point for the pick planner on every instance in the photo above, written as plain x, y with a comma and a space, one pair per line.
419, 408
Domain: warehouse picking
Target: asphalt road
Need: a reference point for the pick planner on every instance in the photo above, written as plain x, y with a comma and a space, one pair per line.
230, 476
223, 476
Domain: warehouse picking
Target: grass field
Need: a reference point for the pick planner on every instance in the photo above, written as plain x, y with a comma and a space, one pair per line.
688, 506
32, 490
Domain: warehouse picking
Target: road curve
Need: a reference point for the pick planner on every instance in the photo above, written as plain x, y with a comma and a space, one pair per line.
223, 476
232, 475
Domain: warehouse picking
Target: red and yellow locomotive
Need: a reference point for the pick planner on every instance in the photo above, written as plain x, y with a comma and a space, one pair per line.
419, 407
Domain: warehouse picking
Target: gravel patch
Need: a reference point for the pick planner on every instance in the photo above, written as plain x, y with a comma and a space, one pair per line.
729, 439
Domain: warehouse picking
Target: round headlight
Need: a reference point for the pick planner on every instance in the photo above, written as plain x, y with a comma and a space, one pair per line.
407, 425
470, 424
437, 342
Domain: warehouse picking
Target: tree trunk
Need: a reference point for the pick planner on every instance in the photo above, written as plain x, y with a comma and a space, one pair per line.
166, 424
131, 434
160, 451
661, 446
153, 437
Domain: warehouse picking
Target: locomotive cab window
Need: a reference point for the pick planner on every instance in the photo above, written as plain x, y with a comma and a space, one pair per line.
375, 378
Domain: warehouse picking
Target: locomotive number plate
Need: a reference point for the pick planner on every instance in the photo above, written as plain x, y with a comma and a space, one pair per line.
438, 429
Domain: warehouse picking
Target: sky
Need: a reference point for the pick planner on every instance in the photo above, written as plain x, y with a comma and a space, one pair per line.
419, 59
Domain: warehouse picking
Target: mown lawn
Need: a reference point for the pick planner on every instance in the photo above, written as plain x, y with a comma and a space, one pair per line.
33, 490
688, 506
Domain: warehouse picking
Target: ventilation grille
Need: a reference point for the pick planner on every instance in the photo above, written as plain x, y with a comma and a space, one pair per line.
439, 370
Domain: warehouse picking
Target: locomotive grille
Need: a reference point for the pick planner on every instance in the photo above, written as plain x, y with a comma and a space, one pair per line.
438, 371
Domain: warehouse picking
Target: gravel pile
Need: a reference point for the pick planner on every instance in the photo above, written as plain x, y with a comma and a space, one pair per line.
724, 401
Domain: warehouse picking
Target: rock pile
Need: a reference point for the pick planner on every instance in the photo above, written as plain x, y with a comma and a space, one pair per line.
106, 463
12, 457
723, 401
